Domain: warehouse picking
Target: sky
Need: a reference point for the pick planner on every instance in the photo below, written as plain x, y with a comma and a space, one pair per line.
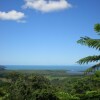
45, 32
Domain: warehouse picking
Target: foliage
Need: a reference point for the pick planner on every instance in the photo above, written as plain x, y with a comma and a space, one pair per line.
93, 43
88, 88
97, 28
38, 87
66, 96
32, 87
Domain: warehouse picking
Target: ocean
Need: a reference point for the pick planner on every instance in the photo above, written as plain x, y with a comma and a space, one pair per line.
47, 67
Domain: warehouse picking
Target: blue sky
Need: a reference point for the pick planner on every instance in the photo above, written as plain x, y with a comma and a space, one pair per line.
46, 35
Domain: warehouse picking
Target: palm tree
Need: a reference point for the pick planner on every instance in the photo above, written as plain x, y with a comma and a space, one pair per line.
93, 43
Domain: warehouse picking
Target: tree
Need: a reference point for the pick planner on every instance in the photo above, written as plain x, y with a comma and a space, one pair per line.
30, 87
93, 43
88, 87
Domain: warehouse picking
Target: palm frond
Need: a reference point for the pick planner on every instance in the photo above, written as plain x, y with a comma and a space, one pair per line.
88, 59
94, 43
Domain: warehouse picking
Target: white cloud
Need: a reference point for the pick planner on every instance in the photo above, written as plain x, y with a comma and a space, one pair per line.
12, 15
47, 5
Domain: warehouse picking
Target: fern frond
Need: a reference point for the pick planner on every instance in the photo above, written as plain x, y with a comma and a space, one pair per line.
92, 68
94, 43
97, 28
88, 59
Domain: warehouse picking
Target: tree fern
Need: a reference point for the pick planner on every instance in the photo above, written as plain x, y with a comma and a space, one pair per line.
93, 43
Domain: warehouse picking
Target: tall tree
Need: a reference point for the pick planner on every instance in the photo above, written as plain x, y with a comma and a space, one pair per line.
93, 43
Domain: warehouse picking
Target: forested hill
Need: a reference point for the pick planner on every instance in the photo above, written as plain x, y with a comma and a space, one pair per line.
2, 67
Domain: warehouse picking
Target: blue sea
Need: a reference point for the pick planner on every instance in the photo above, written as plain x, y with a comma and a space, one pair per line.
47, 67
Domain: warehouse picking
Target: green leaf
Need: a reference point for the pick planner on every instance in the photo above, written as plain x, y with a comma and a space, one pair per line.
97, 28
93, 43
88, 59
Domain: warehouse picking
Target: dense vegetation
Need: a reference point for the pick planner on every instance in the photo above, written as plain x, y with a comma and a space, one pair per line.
26, 86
